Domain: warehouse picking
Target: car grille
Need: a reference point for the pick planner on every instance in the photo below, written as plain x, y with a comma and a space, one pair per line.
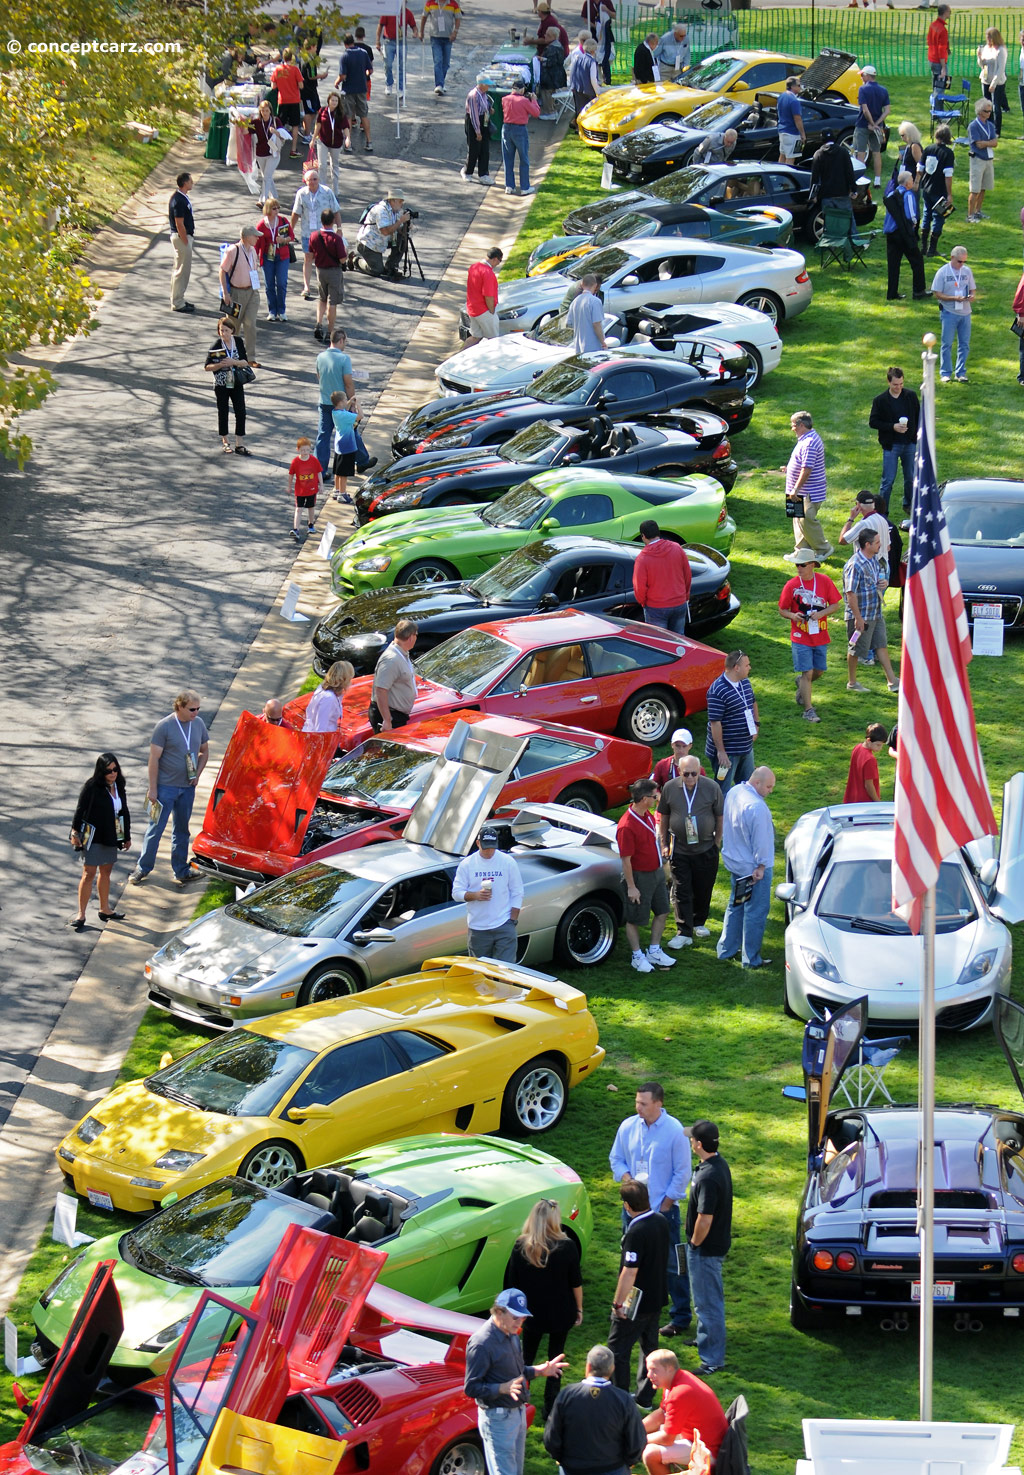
357, 1402
454, 387
424, 1376
1010, 603
945, 1199
962, 1016
594, 135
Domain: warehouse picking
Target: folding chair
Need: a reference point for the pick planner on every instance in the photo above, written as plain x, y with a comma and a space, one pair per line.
865, 1079
840, 240
563, 102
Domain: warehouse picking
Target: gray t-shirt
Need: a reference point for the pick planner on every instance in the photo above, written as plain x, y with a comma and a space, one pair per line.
395, 677
586, 314
176, 738
705, 808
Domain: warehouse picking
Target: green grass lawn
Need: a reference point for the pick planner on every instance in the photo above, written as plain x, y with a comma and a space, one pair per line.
714, 1035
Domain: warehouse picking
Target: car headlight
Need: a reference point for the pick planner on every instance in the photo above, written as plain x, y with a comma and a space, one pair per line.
251, 974
509, 314
90, 1129
451, 442
978, 967
377, 564
399, 502
820, 965
173, 949
628, 117
163, 1339
55, 1285
177, 1161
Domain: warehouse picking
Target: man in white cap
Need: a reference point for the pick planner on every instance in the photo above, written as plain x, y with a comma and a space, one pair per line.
491, 885
666, 768
869, 134
807, 601
499, 1382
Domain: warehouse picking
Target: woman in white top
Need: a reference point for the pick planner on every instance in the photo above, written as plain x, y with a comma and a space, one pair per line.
325, 711
992, 61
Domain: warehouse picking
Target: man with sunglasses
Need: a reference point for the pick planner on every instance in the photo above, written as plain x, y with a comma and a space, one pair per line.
178, 752
690, 825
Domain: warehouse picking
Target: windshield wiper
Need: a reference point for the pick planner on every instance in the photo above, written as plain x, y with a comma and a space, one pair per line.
176, 1272
861, 924
353, 788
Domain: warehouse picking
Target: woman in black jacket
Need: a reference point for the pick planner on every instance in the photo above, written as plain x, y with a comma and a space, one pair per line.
545, 1266
101, 827
225, 358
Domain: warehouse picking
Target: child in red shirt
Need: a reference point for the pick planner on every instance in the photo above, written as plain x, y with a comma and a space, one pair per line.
303, 484
862, 782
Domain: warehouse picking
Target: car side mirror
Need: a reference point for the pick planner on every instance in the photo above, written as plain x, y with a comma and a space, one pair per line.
786, 891
548, 525
572, 459
166, 1059
989, 871
374, 934
631, 281
795, 1093
549, 601
309, 1114
523, 690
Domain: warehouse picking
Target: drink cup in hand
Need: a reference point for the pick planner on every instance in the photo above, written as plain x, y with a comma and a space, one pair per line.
901, 425
487, 887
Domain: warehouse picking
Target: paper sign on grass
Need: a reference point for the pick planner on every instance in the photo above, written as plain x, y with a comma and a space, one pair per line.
326, 543
288, 610
65, 1218
987, 639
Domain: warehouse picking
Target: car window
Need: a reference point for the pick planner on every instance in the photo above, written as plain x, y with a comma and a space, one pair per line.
857, 897
611, 657
745, 187
417, 1049
347, 1069
551, 667
766, 72
601, 263
843, 1174
311, 902
981, 522
781, 184
242, 1074
407, 899
584, 510
515, 678
707, 264
587, 581
543, 753
383, 771
467, 662
630, 384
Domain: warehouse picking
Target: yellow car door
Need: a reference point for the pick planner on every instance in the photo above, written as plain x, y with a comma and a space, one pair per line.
354, 1094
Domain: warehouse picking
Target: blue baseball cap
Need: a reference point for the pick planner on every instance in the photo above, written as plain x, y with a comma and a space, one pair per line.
514, 1302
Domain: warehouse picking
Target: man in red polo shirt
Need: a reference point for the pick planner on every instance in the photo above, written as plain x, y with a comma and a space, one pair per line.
644, 874
482, 298
687, 1406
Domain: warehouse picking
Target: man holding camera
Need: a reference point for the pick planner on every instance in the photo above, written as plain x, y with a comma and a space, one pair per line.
383, 232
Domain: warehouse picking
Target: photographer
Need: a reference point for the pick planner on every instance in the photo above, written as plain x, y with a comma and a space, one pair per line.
383, 231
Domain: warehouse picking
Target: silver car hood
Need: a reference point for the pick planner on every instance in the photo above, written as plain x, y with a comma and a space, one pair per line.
526, 290
219, 944
551, 825
463, 787
491, 361
894, 964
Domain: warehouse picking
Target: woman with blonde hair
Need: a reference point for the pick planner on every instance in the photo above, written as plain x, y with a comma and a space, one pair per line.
992, 62
911, 152
545, 1266
325, 709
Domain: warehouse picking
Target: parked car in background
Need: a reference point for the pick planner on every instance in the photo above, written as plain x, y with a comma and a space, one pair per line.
985, 518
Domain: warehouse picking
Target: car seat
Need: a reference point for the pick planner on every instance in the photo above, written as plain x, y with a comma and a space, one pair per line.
371, 1221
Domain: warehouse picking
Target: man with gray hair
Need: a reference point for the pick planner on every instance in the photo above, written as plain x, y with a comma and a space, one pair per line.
900, 228
586, 317
595, 1426
382, 231
748, 850
717, 148
499, 1382
954, 286
672, 52
805, 484
240, 286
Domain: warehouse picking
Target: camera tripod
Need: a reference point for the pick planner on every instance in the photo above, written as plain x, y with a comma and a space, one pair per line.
408, 248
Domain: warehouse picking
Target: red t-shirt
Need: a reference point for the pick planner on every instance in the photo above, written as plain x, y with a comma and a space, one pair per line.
481, 283
863, 767
389, 26
307, 476
638, 840
690, 1404
287, 79
808, 598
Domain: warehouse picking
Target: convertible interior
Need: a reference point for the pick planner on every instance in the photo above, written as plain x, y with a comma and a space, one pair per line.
359, 1210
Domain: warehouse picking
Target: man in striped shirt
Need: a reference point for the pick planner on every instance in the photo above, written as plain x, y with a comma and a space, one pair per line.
733, 722
478, 132
805, 478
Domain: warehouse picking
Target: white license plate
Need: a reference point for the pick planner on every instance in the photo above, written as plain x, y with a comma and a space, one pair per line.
987, 611
100, 1199
606, 175
942, 1290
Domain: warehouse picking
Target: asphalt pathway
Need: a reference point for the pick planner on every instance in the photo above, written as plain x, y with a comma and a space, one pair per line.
136, 558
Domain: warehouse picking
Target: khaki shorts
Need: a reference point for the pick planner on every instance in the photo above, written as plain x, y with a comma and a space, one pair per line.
485, 326
355, 105
330, 281
873, 636
653, 897
982, 175
868, 140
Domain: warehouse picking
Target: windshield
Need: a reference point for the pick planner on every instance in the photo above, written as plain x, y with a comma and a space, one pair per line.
381, 771
538, 443
562, 383
223, 1235
710, 114
522, 575
600, 263
308, 903
629, 227
713, 75
242, 1074
468, 663
104, 1438
557, 332
986, 522
519, 508
857, 896
680, 185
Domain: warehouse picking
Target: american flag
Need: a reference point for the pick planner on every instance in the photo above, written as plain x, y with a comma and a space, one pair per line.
942, 797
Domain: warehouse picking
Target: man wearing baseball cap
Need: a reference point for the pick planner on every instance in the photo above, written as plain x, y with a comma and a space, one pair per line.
869, 134
499, 1382
516, 110
491, 885
807, 601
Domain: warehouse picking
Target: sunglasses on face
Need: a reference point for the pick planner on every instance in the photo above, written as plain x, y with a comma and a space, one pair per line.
115, 769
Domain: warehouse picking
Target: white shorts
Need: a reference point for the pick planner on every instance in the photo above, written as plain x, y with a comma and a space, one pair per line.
789, 144
673, 1454
982, 175
485, 326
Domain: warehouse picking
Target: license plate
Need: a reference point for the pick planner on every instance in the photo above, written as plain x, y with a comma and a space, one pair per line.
987, 611
606, 175
942, 1290
100, 1199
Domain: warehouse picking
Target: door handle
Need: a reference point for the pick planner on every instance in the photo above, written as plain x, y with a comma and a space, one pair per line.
584, 701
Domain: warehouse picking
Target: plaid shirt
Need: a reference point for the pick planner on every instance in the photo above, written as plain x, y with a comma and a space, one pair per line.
862, 576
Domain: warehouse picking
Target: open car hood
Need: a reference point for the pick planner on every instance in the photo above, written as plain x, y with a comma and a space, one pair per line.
463, 787
560, 824
827, 67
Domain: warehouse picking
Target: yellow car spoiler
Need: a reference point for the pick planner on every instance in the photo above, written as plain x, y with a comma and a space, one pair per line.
474, 981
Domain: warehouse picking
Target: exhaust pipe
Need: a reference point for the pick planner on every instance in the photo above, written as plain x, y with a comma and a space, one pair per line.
961, 1322
974, 1325
901, 1321
887, 1324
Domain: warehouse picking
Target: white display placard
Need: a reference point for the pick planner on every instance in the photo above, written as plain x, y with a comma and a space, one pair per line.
327, 540
65, 1219
288, 608
987, 638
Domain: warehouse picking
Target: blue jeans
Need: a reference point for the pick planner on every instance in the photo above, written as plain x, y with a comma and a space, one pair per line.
709, 1304
503, 1431
178, 803
894, 457
441, 48
673, 619
741, 766
745, 923
390, 51
931, 221
275, 274
954, 325
514, 140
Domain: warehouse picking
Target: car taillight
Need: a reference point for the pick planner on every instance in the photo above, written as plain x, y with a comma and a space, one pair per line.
724, 593
803, 277
1018, 1264
846, 1261
823, 1260
721, 451
722, 516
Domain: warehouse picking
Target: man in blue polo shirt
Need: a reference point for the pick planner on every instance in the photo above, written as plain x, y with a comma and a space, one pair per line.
748, 849
733, 722
791, 124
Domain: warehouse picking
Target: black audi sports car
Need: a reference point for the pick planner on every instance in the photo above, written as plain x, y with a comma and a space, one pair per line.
587, 574
572, 392
985, 519
725, 187
857, 1247
694, 441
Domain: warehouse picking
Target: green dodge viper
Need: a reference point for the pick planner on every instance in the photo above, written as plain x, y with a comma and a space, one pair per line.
459, 542
445, 1209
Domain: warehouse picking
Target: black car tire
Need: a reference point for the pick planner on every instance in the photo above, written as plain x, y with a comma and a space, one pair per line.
800, 1316
765, 302
329, 981
464, 1456
426, 571
756, 366
271, 1163
587, 933
587, 797
649, 716
535, 1098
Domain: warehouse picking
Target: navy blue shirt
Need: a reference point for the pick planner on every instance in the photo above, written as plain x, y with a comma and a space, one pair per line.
788, 109
354, 70
727, 703
874, 97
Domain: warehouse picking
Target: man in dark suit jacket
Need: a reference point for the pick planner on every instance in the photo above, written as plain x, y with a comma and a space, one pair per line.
594, 1425
645, 68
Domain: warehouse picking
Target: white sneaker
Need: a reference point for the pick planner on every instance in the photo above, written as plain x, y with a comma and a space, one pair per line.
438, 91
463, 174
389, 92
485, 179
680, 940
659, 958
530, 190
640, 963
702, 932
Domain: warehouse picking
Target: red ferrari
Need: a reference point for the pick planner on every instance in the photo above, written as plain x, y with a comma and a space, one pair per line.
326, 1372
594, 671
282, 801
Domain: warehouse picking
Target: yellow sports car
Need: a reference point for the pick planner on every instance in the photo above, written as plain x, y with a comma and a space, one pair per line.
468, 1045
738, 75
